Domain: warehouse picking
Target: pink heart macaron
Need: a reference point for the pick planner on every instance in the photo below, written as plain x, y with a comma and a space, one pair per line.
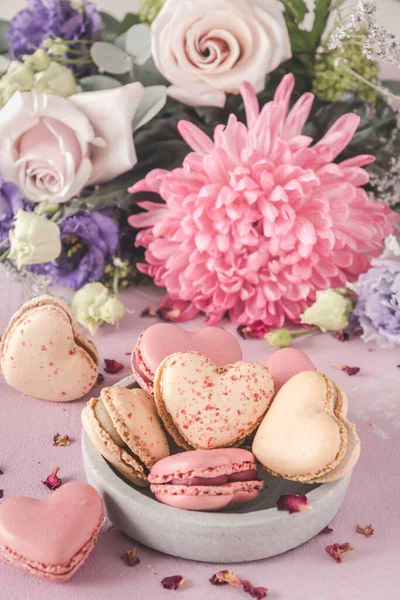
206, 479
164, 339
204, 406
285, 363
51, 538
43, 354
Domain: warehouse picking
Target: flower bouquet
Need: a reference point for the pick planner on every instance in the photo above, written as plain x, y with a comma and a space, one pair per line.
248, 146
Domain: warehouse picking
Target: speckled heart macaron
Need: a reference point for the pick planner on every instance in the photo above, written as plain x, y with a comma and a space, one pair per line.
43, 354
51, 538
305, 435
163, 339
204, 406
125, 428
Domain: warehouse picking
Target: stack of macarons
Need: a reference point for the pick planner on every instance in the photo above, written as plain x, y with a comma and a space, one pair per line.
198, 394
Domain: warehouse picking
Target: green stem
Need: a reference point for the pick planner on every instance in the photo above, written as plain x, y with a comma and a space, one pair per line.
4, 256
56, 216
116, 283
74, 61
307, 332
380, 90
4, 242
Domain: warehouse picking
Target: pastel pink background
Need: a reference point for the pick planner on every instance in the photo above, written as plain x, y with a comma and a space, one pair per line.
371, 572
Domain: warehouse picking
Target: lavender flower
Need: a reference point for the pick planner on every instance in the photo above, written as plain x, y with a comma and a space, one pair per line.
51, 18
88, 242
378, 307
11, 202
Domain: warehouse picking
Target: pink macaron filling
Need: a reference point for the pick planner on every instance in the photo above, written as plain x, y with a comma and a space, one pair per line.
221, 480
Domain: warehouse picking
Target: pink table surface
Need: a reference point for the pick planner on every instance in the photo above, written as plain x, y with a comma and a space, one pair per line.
371, 572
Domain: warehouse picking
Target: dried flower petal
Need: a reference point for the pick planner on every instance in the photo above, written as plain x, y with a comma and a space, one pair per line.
349, 370
366, 530
336, 551
53, 481
1, 494
148, 312
326, 529
224, 577
172, 583
61, 440
100, 379
293, 503
255, 592
130, 557
113, 366
1, 472
341, 336
257, 331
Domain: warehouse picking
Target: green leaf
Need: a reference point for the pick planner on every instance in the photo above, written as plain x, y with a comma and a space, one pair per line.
322, 11
93, 83
393, 86
128, 21
4, 27
110, 27
138, 43
296, 10
110, 59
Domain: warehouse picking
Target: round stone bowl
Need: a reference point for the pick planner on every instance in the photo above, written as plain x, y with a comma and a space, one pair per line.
256, 531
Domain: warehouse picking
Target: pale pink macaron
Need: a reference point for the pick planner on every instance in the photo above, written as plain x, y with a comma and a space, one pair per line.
206, 479
51, 538
163, 339
285, 363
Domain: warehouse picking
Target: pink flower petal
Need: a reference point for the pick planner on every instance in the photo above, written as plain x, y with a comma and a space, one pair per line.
293, 503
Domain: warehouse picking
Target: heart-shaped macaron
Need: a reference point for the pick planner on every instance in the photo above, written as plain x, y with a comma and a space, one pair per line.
43, 353
51, 538
285, 363
305, 435
204, 406
162, 340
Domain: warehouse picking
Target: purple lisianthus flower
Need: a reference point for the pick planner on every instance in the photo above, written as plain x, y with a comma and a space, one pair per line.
42, 19
88, 242
378, 307
11, 202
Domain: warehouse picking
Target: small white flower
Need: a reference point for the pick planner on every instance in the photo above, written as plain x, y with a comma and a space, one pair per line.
56, 79
34, 240
38, 61
94, 305
330, 312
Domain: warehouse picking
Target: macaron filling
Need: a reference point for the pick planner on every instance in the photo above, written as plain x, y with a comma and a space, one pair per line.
147, 379
221, 480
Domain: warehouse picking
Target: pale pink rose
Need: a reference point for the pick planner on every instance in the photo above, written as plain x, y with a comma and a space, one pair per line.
52, 147
207, 48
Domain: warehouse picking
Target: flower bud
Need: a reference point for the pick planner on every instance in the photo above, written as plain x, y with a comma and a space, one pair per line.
34, 240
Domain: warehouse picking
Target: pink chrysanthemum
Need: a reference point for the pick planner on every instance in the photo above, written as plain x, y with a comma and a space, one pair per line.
257, 220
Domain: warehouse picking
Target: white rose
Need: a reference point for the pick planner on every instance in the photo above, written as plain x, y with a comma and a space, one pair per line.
52, 147
34, 240
330, 312
207, 48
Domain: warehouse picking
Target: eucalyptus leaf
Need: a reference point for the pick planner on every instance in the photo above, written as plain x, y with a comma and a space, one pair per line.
110, 59
120, 41
93, 83
154, 100
4, 27
110, 28
138, 43
148, 74
127, 22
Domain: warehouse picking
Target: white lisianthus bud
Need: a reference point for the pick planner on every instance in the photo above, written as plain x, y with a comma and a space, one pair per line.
94, 305
330, 312
38, 61
34, 240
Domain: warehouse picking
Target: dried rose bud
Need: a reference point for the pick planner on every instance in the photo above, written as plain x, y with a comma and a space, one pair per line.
1, 494
172, 583
100, 379
351, 370
225, 577
113, 366
293, 503
341, 336
257, 331
53, 481
61, 440
327, 529
366, 530
1, 472
255, 592
131, 558
337, 551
